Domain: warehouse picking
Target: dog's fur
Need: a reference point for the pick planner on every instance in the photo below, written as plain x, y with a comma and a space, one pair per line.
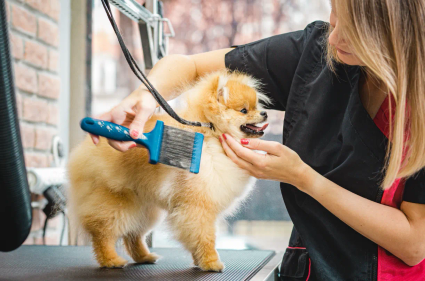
120, 195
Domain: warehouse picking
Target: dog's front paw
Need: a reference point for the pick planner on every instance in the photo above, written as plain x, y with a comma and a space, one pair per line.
117, 262
150, 258
215, 265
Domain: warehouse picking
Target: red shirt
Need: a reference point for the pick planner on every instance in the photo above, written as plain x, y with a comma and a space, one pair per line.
391, 268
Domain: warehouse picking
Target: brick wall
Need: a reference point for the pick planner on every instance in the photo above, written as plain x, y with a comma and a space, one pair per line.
34, 36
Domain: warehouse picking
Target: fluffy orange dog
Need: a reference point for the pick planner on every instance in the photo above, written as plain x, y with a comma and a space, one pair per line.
119, 195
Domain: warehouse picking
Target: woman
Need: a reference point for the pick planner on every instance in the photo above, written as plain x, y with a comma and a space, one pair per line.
353, 147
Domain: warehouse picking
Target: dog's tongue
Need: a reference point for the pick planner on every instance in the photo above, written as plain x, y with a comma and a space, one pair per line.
255, 128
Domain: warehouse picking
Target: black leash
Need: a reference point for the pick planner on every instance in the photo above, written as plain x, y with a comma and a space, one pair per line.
136, 70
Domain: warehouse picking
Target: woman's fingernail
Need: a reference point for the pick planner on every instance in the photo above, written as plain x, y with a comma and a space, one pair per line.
132, 146
244, 141
224, 136
219, 138
134, 134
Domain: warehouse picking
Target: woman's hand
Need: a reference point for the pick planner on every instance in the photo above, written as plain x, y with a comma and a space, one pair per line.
137, 108
279, 164
132, 112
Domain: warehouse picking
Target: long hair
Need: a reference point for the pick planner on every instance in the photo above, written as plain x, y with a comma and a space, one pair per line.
388, 36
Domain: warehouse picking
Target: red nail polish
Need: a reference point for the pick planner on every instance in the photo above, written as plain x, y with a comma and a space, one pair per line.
219, 138
134, 133
132, 146
244, 141
224, 136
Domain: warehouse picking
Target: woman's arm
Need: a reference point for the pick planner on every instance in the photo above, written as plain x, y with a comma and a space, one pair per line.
402, 232
173, 70
168, 74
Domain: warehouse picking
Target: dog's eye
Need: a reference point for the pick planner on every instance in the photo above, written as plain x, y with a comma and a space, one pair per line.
244, 111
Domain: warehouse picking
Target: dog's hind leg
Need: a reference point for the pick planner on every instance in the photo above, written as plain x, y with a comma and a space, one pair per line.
138, 250
104, 250
194, 227
195, 260
134, 241
107, 221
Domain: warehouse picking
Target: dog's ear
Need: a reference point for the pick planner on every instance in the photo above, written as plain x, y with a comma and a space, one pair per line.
222, 90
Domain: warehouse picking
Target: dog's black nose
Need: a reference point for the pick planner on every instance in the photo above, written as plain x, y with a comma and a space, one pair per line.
263, 113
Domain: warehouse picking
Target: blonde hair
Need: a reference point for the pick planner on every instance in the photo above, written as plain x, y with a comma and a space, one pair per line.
388, 36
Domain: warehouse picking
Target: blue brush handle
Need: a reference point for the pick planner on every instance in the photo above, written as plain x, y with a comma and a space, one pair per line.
152, 140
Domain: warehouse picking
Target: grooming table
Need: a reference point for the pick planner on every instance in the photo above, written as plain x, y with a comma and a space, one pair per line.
77, 263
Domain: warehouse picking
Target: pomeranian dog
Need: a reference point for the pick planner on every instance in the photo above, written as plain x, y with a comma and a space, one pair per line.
120, 195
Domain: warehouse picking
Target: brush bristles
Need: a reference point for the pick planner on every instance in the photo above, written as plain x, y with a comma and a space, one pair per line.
177, 148
197, 151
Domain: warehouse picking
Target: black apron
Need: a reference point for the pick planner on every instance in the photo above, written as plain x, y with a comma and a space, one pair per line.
327, 125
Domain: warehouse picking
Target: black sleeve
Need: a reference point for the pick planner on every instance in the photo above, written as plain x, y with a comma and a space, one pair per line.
414, 188
273, 61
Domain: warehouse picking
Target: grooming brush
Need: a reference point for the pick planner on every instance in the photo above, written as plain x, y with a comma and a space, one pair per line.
166, 145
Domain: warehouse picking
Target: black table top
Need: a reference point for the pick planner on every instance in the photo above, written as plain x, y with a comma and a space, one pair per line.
77, 263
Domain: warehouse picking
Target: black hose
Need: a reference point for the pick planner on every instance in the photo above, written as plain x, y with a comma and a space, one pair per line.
15, 200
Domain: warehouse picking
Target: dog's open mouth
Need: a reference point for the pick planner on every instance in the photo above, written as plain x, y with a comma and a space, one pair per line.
252, 129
